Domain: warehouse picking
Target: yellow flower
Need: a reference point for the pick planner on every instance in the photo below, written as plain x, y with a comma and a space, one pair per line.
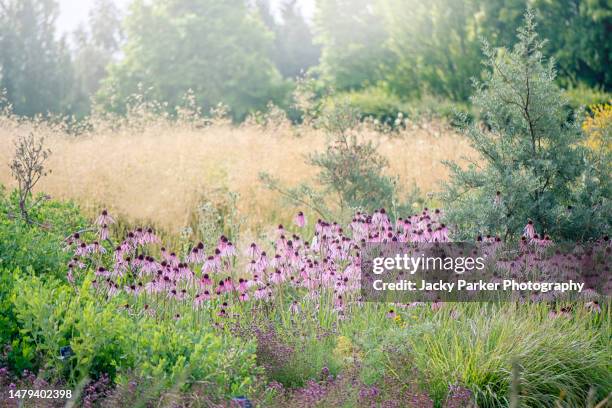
399, 321
598, 127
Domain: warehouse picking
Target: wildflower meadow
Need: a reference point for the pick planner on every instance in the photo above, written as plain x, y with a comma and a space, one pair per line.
189, 259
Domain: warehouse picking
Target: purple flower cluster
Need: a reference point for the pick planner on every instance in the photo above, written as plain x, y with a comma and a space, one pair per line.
327, 262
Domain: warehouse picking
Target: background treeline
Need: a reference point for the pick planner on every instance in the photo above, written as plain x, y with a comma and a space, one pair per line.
383, 55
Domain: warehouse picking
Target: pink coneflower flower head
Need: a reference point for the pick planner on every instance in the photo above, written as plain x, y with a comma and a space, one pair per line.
497, 201
228, 249
529, 231
229, 285
544, 242
295, 307
104, 233
523, 243
212, 264
593, 306
197, 301
205, 280
260, 293
277, 276
82, 249
96, 248
149, 237
391, 314
196, 255
242, 285
104, 218
299, 219
253, 251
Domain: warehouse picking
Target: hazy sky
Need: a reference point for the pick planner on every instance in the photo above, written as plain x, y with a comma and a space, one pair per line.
73, 12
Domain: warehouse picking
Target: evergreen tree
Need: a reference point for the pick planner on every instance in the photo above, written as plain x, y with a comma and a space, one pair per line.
35, 67
532, 165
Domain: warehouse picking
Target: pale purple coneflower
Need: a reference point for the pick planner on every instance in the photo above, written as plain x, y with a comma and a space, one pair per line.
300, 219
529, 231
593, 306
105, 218
253, 251
104, 232
205, 280
294, 308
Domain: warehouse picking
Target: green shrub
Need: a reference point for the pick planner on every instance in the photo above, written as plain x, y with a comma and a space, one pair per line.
21, 353
386, 107
176, 351
106, 338
585, 96
40, 307
351, 168
36, 244
431, 108
375, 102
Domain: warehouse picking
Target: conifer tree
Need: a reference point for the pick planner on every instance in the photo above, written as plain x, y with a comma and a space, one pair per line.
532, 165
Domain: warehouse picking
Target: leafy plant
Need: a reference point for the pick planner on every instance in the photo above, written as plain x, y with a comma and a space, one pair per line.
532, 163
350, 169
557, 358
38, 243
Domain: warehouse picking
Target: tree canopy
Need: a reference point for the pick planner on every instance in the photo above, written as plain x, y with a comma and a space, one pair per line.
247, 53
216, 49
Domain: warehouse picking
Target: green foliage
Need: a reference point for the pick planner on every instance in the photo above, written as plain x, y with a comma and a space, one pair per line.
105, 338
238, 52
217, 49
95, 48
35, 67
530, 152
351, 168
582, 52
41, 307
435, 44
583, 96
310, 357
21, 354
294, 50
38, 243
350, 33
169, 351
415, 47
374, 102
556, 358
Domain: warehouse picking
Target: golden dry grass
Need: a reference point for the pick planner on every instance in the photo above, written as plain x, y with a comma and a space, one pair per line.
158, 172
